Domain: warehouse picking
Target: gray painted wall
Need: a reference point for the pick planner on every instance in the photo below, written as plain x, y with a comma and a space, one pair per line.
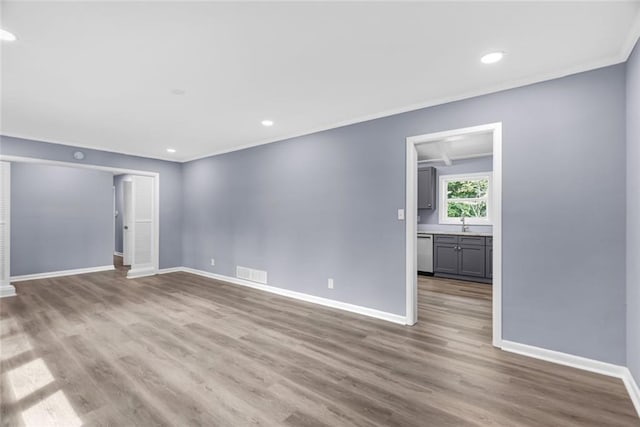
633, 213
61, 218
117, 184
429, 218
306, 210
324, 205
170, 184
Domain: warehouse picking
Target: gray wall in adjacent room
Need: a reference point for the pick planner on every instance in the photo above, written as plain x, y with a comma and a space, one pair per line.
429, 218
633, 213
117, 184
61, 218
170, 184
324, 206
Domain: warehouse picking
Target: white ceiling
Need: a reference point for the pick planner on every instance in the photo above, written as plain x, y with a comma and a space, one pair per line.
457, 148
102, 74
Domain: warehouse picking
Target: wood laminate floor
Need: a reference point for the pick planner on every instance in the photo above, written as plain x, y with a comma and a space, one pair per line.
182, 350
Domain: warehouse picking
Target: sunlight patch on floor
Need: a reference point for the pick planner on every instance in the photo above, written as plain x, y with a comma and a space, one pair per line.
28, 378
53, 411
13, 346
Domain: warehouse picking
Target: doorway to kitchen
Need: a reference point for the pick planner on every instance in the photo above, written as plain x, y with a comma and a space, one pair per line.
454, 217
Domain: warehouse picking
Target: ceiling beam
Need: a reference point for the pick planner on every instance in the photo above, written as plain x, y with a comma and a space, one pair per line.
443, 153
470, 156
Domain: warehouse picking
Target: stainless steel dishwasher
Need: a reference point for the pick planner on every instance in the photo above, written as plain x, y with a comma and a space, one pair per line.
425, 253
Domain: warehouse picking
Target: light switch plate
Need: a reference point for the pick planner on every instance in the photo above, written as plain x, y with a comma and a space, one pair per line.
330, 284
401, 214
213, 261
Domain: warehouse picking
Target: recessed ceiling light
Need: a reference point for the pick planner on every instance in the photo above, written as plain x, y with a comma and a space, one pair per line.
491, 58
6, 36
267, 123
171, 150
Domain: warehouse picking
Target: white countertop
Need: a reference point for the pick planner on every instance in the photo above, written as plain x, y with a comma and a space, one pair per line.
457, 233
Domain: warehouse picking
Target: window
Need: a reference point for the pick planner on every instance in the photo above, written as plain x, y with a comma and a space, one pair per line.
466, 195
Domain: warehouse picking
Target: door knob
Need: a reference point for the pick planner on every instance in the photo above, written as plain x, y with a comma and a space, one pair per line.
126, 227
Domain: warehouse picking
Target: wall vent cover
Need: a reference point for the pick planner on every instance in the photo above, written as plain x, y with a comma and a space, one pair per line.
258, 276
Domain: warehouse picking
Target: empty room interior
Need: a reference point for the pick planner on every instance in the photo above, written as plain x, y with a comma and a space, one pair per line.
319, 213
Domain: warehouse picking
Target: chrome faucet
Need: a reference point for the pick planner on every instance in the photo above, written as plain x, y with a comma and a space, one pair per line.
465, 227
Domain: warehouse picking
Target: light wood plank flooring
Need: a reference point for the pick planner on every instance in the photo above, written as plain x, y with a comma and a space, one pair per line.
182, 350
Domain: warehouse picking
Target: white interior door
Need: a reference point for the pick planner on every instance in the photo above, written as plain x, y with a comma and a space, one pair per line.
142, 241
6, 289
127, 222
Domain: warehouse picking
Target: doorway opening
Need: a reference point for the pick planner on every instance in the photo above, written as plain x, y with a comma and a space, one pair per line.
121, 222
133, 224
145, 220
454, 215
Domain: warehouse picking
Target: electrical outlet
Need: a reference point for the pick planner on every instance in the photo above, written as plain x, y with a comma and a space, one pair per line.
330, 284
213, 261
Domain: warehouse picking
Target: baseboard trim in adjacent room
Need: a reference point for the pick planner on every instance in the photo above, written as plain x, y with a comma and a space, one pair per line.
61, 273
118, 254
382, 315
579, 362
633, 389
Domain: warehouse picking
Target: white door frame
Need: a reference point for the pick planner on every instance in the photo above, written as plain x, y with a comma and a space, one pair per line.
6, 288
411, 201
114, 219
115, 171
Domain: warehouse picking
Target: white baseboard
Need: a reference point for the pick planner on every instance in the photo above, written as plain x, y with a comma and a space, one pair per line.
170, 270
564, 359
579, 362
389, 317
61, 273
141, 272
6, 289
633, 389
118, 254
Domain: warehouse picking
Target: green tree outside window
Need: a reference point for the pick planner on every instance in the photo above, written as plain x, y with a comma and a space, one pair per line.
467, 198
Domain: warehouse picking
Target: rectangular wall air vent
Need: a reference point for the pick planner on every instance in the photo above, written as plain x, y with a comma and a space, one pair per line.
258, 276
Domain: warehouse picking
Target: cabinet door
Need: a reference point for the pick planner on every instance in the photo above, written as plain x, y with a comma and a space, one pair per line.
427, 188
489, 262
445, 257
471, 260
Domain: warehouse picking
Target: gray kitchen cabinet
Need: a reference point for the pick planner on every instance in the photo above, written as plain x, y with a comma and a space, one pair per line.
489, 259
427, 188
471, 260
471, 240
446, 238
445, 258
462, 257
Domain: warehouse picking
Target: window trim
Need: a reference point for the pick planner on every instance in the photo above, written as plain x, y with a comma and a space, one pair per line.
442, 199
